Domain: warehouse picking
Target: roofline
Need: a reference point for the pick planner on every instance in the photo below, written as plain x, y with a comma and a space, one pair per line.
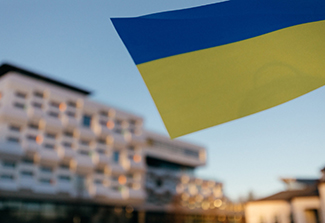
5, 68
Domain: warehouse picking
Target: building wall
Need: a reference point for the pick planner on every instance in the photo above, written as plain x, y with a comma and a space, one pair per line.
321, 189
300, 205
53, 139
268, 212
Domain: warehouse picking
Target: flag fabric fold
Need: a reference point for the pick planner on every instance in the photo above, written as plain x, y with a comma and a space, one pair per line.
215, 63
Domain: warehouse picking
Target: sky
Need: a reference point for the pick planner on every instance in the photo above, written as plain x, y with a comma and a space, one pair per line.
75, 42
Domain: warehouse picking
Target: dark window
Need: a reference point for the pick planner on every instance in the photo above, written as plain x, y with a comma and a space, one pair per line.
49, 146
45, 181
119, 131
27, 160
72, 104
67, 144
50, 135
8, 164
103, 123
46, 169
64, 178
85, 142
37, 105
191, 153
19, 105
14, 128
68, 133
13, 139
86, 121
101, 141
53, 114
27, 173
101, 151
39, 94
31, 138
132, 122
7, 177
21, 95
116, 156
83, 152
103, 113
118, 122
33, 126
100, 171
98, 182
55, 104
64, 166
71, 114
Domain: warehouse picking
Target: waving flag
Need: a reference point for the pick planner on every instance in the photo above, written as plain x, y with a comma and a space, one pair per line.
212, 64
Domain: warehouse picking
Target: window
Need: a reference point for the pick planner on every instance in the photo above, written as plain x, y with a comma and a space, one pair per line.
49, 146
51, 135
8, 164
31, 138
33, 126
55, 104
132, 122
37, 105
45, 181
64, 166
71, 114
27, 173
101, 141
19, 105
131, 148
68, 133
38, 94
104, 113
46, 169
67, 144
72, 104
13, 139
118, 122
21, 95
7, 177
85, 142
83, 152
27, 160
101, 151
14, 128
98, 181
64, 178
116, 156
100, 171
53, 114
86, 121
118, 131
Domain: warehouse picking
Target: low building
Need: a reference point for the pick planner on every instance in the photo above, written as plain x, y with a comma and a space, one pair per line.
303, 201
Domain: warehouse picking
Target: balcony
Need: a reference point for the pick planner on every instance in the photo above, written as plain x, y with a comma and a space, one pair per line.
45, 188
137, 166
103, 131
12, 114
66, 153
66, 187
10, 185
48, 156
116, 168
35, 113
101, 159
11, 150
138, 195
30, 147
87, 133
138, 139
70, 122
53, 123
98, 190
26, 183
83, 163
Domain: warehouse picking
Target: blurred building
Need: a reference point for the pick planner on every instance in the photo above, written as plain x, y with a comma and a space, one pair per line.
66, 158
303, 201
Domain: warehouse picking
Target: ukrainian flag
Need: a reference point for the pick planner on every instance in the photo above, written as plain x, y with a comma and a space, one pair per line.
212, 64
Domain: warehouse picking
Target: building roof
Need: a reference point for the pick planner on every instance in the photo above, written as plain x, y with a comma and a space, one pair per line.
5, 68
290, 194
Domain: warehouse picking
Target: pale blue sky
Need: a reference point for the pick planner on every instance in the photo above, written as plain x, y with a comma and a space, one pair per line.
74, 41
